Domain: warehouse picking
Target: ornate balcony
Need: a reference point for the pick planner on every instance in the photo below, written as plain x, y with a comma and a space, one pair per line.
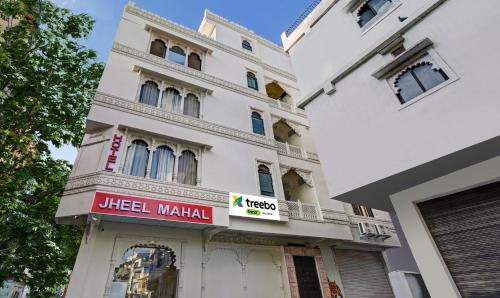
299, 210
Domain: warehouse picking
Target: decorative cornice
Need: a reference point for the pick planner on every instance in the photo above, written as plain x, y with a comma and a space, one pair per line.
155, 189
129, 106
202, 38
237, 27
164, 63
330, 215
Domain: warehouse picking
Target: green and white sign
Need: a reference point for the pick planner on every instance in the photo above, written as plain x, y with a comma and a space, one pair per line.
253, 206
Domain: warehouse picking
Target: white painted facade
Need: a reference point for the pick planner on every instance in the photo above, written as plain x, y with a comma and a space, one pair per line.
385, 154
224, 258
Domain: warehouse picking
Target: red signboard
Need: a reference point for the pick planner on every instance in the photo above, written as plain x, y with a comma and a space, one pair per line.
112, 204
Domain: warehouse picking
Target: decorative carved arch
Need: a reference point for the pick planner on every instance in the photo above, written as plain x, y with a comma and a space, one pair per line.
411, 67
306, 176
292, 126
155, 246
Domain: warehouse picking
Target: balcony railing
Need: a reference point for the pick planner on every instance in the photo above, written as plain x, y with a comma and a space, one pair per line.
302, 210
302, 17
281, 104
287, 149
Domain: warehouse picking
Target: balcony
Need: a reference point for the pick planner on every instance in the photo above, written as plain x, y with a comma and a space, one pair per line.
299, 210
290, 150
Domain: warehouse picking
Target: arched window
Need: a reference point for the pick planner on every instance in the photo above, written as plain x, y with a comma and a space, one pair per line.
370, 9
194, 61
171, 100
145, 268
188, 166
158, 48
266, 181
162, 167
252, 81
136, 161
246, 45
177, 55
257, 123
149, 93
417, 80
192, 106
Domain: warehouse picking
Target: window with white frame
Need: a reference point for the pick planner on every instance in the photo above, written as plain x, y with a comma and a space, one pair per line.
175, 52
369, 11
252, 81
419, 78
169, 162
258, 123
245, 44
265, 180
170, 97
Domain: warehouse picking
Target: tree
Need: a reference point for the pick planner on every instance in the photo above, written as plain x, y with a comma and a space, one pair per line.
47, 82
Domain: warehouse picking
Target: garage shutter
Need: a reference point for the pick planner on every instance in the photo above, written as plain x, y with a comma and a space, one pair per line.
363, 274
465, 227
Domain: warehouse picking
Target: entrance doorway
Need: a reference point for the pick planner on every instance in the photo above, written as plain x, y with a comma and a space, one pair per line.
307, 277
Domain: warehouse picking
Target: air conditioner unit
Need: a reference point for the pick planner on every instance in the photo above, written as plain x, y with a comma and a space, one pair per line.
382, 232
367, 229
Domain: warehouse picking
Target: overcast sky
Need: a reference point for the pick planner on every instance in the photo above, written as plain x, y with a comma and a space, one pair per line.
267, 18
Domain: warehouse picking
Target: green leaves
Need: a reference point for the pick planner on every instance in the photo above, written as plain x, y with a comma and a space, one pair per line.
47, 82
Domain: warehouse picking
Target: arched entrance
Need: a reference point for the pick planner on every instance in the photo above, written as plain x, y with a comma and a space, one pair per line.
145, 271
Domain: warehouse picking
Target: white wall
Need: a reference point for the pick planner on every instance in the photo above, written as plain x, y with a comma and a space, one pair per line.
361, 131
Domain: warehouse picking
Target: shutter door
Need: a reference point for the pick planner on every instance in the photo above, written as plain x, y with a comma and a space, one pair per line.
465, 227
363, 274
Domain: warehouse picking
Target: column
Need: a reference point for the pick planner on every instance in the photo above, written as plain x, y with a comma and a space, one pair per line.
176, 165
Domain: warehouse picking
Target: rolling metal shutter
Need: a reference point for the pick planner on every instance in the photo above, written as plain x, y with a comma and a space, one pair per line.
363, 274
465, 227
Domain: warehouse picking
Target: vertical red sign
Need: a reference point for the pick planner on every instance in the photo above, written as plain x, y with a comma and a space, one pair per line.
114, 150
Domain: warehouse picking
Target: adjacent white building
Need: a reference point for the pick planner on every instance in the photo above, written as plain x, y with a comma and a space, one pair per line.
198, 176
402, 100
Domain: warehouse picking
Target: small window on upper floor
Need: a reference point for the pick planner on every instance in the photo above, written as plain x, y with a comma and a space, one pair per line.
194, 61
362, 210
252, 81
246, 45
257, 124
370, 9
265, 181
158, 48
417, 80
176, 54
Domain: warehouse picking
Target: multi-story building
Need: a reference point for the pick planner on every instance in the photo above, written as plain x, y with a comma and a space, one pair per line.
195, 149
404, 112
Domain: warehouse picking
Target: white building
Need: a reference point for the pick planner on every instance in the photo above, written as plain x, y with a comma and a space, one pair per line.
404, 113
181, 119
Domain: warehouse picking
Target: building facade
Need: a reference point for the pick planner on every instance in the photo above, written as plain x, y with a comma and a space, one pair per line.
403, 109
198, 177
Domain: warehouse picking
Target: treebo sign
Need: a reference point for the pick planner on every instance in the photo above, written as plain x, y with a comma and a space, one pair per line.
253, 206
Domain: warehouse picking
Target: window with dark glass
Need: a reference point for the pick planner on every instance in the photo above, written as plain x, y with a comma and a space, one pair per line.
194, 61
246, 45
265, 181
362, 210
177, 55
136, 161
252, 81
192, 106
417, 80
257, 123
158, 48
370, 9
149, 93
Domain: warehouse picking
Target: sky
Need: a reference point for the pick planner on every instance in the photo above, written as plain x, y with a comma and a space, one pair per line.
267, 18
